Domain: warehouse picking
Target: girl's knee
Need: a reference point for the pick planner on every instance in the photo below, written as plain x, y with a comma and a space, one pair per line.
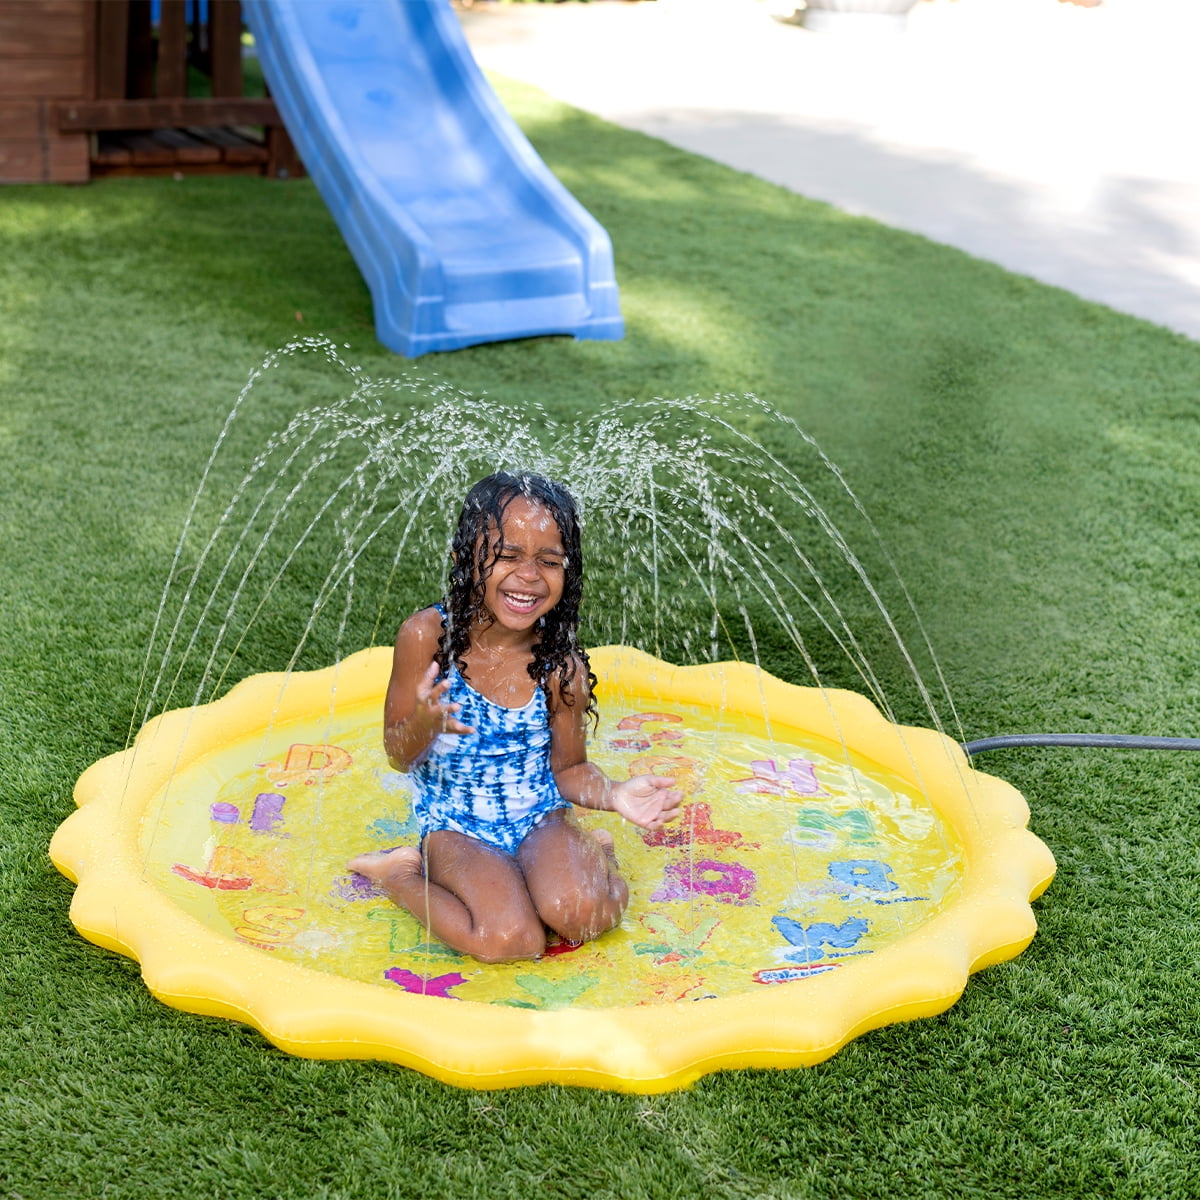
580, 916
514, 942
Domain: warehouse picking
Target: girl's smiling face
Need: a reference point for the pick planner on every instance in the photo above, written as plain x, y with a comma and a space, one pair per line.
526, 577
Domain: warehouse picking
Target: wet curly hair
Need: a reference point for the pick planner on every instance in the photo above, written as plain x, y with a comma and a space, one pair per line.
474, 552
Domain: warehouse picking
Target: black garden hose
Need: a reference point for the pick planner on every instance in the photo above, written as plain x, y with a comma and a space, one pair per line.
1111, 741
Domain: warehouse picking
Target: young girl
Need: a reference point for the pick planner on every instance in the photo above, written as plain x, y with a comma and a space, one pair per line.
487, 707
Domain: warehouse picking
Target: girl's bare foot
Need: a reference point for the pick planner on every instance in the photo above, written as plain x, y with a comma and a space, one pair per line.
389, 866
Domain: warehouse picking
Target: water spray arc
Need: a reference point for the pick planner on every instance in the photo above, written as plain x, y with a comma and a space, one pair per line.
834, 868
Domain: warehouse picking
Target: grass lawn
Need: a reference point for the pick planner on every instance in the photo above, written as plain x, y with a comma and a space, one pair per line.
1031, 462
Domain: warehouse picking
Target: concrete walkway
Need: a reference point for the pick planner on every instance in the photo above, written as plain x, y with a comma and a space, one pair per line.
1057, 141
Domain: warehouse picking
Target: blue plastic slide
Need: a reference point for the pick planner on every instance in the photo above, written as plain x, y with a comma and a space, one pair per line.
460, 230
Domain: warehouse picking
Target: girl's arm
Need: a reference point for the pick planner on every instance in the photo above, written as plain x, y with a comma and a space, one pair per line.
647, 800
415, 711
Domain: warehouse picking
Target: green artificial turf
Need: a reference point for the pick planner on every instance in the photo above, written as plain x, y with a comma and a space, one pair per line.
1030, 461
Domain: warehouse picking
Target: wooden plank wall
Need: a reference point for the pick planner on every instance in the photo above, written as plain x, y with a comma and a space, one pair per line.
47, 51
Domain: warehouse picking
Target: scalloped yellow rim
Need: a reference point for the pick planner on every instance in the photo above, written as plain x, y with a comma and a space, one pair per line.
645, 1048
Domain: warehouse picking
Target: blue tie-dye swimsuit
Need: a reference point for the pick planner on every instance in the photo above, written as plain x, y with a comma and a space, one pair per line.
494, 784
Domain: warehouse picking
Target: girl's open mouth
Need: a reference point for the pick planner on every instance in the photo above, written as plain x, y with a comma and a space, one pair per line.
521, 602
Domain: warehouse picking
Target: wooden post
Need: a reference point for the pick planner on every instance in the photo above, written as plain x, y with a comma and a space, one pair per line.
171, 81
112, 48
282, 160
139, 76
225, 37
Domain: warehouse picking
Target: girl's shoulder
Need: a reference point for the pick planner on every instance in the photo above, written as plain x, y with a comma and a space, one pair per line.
572, 685
425, 625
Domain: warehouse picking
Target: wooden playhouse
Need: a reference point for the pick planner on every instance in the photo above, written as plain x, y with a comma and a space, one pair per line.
130, 87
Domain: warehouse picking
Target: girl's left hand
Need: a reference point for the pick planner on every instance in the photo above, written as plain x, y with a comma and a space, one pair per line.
647, 800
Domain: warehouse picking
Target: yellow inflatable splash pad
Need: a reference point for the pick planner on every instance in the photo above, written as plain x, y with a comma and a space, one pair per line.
831, 873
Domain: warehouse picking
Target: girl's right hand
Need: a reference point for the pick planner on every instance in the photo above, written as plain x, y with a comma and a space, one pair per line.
438, 716
647, 800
